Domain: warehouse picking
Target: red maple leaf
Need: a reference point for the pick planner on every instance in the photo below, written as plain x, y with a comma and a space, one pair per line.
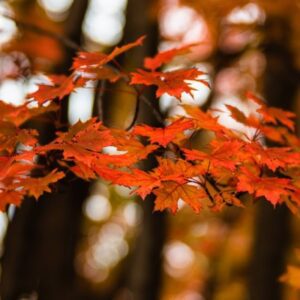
15, 166
272, 157
169, 193
205, 120
59, 87
272, 188
81, 142
221, 154
172, 82
240, 117
11, 136
81, 170
273, 115
20, 114
163, 136
145, 181
37, 186
85, 60
91, 135
165, 57
176, 171
10, 197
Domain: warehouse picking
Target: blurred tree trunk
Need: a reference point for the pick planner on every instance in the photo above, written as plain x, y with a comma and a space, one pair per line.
38, 260
272, 226
145, 265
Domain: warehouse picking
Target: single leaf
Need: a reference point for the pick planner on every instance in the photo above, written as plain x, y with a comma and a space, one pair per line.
12, 167
169, 193
273, 115
119, 50
178, 170
204, 120
11, 137
240, 117
273, 134
81, 142
172, 82
145, 182
221, 154
272, 157
83, 171
165, 57
167, 171
272, 188
37, 186
276, 115
10, 197
85, 60
109, 173
133, 155
163, 136
91, 135
18, 115
101, 73
133, 149
59, 87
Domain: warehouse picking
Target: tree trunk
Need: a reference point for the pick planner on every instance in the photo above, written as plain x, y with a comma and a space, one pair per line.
144, 278
272, 226
41, 238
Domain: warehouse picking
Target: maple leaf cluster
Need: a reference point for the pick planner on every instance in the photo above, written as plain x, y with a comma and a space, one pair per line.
213, 176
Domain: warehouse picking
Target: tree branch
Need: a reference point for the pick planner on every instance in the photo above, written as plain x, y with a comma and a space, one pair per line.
99, 93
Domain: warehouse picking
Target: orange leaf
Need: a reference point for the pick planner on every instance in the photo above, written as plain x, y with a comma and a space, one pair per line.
167, 171
165, 57
273, 115
81, 142
85, 60
169, 193
37, 186
11, 137
172, 82
163, 136
10, 197
222, 154
204, 120
145, 182
83, 171
272, 157
272, 188
60, 87
240, 117
20, 114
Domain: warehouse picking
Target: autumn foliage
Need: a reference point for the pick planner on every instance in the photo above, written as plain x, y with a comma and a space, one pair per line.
220, 173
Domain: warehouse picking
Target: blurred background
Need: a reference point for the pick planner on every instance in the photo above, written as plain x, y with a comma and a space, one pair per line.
91, 241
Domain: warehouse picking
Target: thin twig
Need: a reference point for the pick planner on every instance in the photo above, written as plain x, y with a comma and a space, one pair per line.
208, 193
156, 113
136, 113
99, 93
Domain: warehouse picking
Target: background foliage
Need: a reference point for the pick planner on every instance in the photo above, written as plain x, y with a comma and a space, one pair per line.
94, 240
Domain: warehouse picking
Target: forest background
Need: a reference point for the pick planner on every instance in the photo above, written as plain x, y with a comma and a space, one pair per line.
96, 241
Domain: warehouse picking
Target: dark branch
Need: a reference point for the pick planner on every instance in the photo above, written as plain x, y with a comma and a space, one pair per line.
99, 93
